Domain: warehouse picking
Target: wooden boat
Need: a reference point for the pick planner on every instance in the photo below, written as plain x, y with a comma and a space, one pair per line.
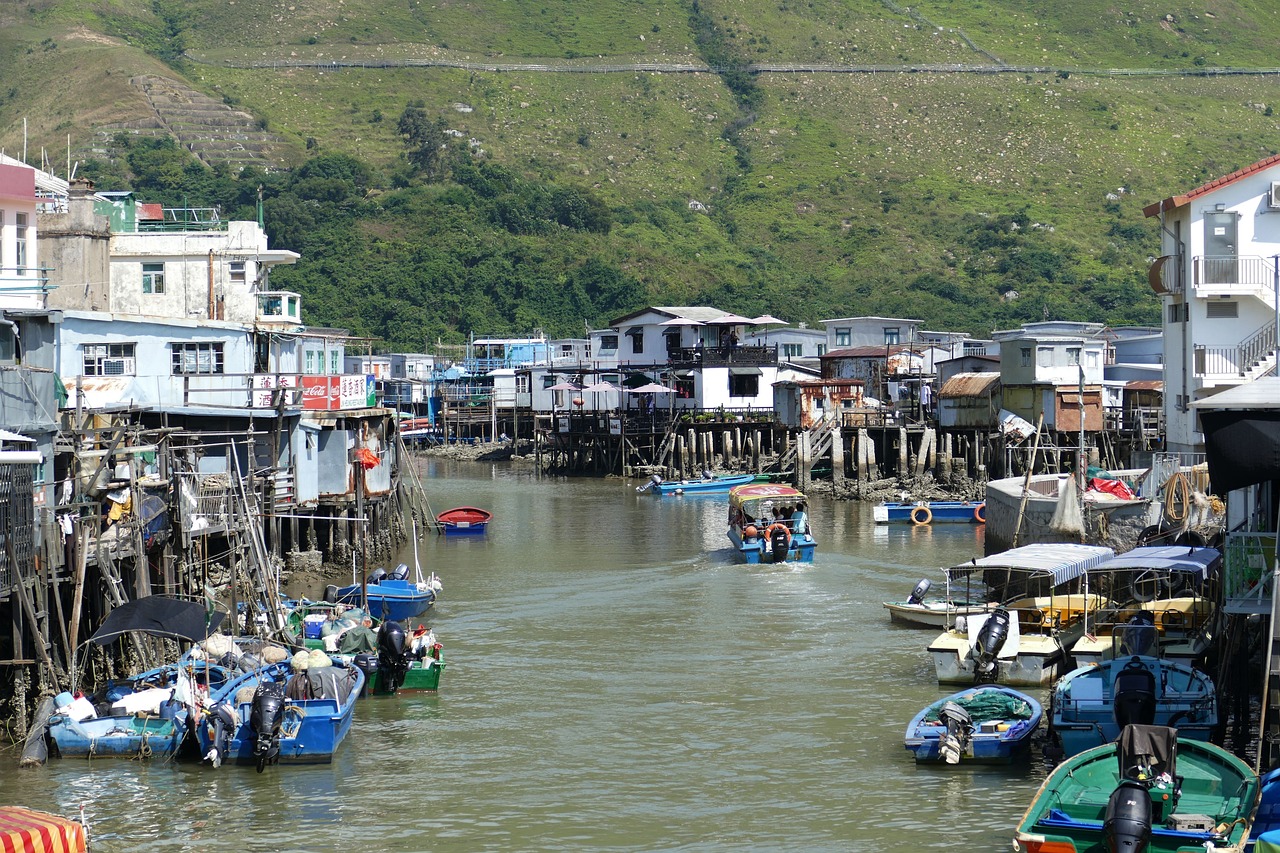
250, 721
930, 512
146, 717
1149, 791
706, 486
990, 723
464, 521
918, 610
30, 831
760, 538
389, 596
1024, 640
1092, 704
1165, 584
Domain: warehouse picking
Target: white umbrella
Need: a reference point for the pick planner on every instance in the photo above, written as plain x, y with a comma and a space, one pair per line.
565, 386
730, 320
652, 388
600, 387
767, 320
680, 321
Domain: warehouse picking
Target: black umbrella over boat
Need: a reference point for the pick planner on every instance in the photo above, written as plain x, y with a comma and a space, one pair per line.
160, 616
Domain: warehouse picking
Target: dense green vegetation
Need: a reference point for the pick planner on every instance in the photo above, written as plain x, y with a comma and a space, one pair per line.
432, 202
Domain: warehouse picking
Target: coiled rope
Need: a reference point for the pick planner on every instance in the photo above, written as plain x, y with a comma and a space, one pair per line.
1177, 498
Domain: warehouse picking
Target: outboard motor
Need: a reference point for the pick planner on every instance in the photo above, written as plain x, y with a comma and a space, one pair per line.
1134, 695
990, 640
655, 480
921, 590
1127, 827
266, 718
331, 594
1138, 635
959, 729
376, 577
778, 542
400, 573
393, 655
368, 664
224, 719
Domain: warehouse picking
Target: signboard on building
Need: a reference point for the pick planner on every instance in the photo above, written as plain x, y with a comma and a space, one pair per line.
331, 393
265, 387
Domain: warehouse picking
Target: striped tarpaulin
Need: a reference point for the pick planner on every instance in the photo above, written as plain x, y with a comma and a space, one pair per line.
27, 831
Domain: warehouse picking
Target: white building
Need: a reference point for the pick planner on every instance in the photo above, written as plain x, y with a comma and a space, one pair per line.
1216, 276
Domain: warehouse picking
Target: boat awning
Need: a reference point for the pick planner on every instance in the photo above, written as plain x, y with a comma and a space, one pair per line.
1062, 561
159, 616
1165, 558
26, 829
5, 435
745, 371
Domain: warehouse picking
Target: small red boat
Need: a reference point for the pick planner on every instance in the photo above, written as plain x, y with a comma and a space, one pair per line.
464, 520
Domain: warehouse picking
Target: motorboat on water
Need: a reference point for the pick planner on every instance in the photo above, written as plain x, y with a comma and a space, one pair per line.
704, 486
989, 723
922, 611
930, 512
769, 523
1023, 640
1169, 586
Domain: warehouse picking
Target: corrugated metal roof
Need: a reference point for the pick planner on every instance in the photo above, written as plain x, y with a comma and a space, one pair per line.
1262, 394
969, 384
1144, 385
865, 352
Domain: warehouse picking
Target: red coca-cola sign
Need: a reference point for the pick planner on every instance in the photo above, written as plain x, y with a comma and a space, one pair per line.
320, 392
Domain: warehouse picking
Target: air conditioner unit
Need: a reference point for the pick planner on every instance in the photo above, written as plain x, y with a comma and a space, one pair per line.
117, 367
1274, 198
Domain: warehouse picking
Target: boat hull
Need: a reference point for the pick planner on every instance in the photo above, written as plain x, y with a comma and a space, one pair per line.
930, 614
1071, 805
994, 741
464, 521
720, 485
939, 512
1083, 713
118, 737
397, 600
753, 550
423, 677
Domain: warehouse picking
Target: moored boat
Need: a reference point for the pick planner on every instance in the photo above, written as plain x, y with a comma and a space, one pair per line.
30, 831
769, 523
1024, 640
930, 512
919, 610
1092, 704
705, 486
389, 596
990, 723
464, 521
282, 713
1149, 791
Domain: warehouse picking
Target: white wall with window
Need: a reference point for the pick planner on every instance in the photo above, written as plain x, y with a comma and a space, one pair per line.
845, 332
21, 279
115, 359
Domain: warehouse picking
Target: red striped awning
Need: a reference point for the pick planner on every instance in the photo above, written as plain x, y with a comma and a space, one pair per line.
27, 831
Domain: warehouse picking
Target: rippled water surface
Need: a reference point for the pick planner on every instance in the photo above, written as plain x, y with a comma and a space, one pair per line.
615, 681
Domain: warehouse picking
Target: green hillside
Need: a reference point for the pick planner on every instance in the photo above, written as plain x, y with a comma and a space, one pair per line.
563, 196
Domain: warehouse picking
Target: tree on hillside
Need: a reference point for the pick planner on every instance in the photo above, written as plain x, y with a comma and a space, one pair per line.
426, 140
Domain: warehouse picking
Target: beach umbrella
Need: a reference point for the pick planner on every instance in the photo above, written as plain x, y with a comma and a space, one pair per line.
767, 320
565, 386
652, 388
731, 320
600, 387
680, 321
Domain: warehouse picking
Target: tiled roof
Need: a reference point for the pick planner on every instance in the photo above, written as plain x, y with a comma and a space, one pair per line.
1174, 202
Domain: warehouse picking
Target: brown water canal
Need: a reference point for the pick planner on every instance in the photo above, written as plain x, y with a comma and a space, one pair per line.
615, 681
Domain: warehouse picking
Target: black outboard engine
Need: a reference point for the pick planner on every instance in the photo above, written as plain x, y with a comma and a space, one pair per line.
368, 664
921, 590
400, 573
224, 719
393, 655
266, 718
1135, 695
1127, 827
376, 576
331, 594
959, 725
990, 640
778, 543
1138, 635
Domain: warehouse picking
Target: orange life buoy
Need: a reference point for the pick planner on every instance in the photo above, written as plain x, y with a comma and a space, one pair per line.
921, 514
980, 513
768, 533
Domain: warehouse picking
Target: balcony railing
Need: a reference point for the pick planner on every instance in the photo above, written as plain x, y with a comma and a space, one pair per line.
739, 356
1236, 361
1247, 572
1227, 274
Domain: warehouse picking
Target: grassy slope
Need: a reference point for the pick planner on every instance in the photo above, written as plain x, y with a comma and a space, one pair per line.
855, 186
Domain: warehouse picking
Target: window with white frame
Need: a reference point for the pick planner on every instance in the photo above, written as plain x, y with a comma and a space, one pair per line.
1044, 356
153, 278
310, 366
844, 337
333, 362
109, 359
196, 358
20, 243
1073, 355
237, 272
822, 349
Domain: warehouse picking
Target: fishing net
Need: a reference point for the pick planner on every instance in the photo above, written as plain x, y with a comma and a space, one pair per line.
1067, 518
984, 705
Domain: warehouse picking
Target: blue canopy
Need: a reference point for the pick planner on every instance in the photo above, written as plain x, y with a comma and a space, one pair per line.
1061, 561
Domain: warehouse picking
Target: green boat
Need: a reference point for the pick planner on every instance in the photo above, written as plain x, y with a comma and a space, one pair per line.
1148, 791
314, 621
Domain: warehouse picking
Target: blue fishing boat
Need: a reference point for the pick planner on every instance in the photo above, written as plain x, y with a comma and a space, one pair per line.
389, 596
280, 713
930, 512
145, 717
1266, 820
769, 523
991, 724
706, 486
1092, 704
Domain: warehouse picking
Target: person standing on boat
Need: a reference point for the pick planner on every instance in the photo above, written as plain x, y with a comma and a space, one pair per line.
799, 521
